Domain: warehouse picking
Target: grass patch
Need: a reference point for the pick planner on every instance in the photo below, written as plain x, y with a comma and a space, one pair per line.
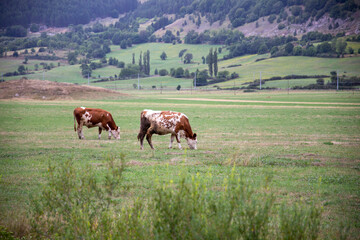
266, 134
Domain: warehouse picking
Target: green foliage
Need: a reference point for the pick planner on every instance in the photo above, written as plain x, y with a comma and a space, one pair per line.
16, 31
60, 13
129, 71
340, 46
85, 70
282, 26
163, 56
163, 72
72, 58
289, 48
21, 69
5, 234
75, 204
34, 27
188, 58
300, 221
179, 72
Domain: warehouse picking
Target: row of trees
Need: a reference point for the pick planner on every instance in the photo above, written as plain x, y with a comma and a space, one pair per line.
335, 48
212, 61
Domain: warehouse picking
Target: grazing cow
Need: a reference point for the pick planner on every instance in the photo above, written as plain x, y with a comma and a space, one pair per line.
92, 117
165, 122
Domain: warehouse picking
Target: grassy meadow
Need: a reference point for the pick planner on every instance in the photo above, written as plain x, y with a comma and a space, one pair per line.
307, 143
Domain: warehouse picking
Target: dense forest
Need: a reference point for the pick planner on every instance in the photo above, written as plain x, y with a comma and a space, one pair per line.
60, 13
64, 12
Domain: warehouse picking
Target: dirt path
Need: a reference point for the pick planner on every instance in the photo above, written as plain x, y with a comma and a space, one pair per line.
256, 101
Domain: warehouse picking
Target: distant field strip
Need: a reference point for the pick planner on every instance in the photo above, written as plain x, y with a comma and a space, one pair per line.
256, 101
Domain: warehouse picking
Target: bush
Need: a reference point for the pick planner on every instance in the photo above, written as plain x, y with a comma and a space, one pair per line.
320, 81
281, 26
163, 72
77, 203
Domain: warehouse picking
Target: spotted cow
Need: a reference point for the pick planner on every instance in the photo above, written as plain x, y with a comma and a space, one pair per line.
165, 122
93, 117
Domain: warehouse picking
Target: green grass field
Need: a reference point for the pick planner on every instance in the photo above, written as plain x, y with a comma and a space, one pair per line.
307, 142
248, 71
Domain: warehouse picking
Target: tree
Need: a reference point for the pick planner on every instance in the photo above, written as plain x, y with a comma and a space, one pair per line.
263, 49
320, 81
123, 44
140, 61
72, 58
188, 57
34, 27
178, 87
351, 50
163, 72
21, 70
85, 70
340, 46
289, 48
147, 64
16, 31
210, 61
163, 56
297, 51
179, 72
215, 58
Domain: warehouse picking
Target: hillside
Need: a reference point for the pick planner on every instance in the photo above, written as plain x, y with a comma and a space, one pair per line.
47, 90
259, 17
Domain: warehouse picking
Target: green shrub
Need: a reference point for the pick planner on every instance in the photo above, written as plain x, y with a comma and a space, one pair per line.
75, 204
299, 222
79, 204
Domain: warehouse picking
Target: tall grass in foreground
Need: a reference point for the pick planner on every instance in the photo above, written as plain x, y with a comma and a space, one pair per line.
75, 204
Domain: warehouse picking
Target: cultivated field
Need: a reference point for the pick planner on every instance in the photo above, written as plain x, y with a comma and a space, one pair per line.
307, 143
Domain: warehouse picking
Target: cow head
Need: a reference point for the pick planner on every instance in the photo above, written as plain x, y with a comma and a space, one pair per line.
116, 133
192, 141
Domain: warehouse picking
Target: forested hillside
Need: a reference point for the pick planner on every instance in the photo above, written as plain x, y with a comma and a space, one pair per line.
60, 13
245, 11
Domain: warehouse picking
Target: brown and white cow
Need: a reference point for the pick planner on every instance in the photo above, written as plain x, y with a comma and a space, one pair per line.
165, 122
93, 117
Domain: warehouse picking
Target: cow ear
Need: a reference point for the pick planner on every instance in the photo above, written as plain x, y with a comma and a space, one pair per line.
194, 136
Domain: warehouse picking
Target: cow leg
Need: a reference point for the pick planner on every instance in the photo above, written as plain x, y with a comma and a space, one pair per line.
79, 131
141, 136
171, 140
149, 134
100, 130
109, 133
178, 140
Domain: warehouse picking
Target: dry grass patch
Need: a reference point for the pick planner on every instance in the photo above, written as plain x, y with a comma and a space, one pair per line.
47, 90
